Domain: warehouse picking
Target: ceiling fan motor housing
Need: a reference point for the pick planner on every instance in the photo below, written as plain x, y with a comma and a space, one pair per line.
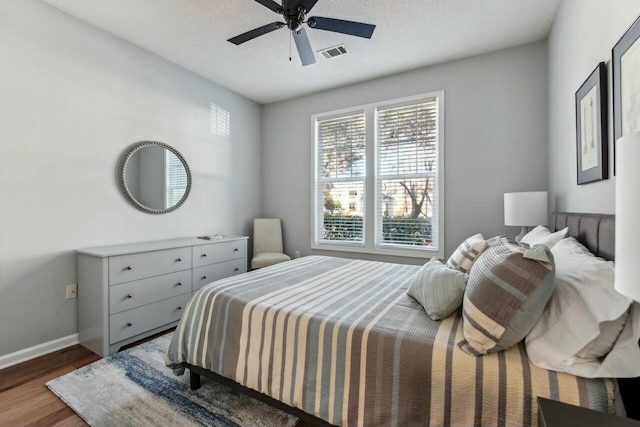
294, 14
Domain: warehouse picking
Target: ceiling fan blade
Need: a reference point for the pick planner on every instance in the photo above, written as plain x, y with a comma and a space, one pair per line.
271, 5
339, 26
307, 4
245, 37
304, 48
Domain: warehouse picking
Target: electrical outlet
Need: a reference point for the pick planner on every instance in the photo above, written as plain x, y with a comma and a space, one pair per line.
72, 291
297, 254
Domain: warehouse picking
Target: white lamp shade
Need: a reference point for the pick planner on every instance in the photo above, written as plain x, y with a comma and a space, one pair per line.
627, 279
525, 209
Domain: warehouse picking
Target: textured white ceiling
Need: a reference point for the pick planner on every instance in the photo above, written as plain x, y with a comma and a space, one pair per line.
409, 34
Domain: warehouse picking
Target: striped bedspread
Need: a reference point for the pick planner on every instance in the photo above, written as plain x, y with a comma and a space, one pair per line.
341, 339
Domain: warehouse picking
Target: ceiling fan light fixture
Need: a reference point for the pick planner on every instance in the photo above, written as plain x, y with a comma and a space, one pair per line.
294, 25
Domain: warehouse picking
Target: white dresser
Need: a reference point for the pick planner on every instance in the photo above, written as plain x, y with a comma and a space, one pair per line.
128, 292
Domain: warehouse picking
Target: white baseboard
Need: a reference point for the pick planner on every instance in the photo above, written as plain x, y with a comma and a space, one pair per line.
37, 351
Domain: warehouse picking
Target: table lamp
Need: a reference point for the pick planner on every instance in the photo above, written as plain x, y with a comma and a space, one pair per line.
525, 209
627, 213
627, 234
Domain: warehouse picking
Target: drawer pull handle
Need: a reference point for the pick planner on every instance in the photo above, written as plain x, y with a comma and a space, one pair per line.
203, 277
128, 268
179, 307
236, 269
203, 255
179, 284
129, 324
179, 260
130, 296
235, 250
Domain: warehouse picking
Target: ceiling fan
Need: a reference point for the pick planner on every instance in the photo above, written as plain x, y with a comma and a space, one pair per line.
295, 14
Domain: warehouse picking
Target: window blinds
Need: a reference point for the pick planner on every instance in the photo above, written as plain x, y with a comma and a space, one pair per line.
407, 165
340, 175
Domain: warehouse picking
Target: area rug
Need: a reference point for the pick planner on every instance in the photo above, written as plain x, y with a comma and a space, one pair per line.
135, 388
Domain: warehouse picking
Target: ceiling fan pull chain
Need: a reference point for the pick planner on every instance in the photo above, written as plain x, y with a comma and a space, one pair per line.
290, 37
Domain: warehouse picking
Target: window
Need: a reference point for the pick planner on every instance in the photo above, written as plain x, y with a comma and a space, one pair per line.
406, 142
377, 178
340, 178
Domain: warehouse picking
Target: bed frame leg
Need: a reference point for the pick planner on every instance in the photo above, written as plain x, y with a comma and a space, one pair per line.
195, 380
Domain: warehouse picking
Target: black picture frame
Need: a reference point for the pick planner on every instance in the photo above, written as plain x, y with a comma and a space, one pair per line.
628, 44
592, 147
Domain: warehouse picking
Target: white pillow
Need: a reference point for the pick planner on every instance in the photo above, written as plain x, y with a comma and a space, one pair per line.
542, 236
622, 360
601, 345
583, 318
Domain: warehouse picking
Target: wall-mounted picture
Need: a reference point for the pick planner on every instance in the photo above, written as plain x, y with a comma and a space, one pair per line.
591, 127
626, 84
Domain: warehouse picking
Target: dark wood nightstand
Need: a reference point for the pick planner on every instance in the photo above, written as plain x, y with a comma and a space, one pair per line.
557, 414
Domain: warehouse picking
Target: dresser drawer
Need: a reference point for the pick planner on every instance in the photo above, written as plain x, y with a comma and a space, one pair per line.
210, 273
125, 268
126, 296
133, 322
218, 252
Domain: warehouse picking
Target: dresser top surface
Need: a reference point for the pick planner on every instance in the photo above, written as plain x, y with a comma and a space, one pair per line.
132, 248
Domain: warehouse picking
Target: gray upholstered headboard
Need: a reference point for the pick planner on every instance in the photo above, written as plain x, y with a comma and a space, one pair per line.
595, 231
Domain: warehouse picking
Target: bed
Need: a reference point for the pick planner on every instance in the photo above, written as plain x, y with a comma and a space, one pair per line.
339, 342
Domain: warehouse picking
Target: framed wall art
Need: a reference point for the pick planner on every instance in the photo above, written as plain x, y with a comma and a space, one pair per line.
592, 146
626, 84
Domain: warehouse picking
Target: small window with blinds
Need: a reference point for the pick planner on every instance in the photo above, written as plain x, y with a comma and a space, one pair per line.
407, 166
393, 152
340, 179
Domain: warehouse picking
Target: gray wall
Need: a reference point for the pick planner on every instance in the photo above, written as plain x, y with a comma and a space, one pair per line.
583, 35
72, 99
495, 141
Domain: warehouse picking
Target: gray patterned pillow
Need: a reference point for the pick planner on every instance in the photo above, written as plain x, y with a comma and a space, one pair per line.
466, 254
438, 288
507, 291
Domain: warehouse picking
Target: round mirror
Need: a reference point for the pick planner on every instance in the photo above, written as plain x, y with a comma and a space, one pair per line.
154, 177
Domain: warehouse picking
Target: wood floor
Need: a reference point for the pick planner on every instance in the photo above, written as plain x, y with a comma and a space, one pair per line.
26, 401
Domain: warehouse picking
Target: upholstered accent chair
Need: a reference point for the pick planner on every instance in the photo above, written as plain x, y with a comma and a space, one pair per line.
267, 243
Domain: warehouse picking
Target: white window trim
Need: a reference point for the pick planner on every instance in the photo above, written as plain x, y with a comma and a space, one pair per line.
369, 226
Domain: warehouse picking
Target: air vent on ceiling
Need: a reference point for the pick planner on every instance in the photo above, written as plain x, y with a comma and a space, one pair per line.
332, 52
